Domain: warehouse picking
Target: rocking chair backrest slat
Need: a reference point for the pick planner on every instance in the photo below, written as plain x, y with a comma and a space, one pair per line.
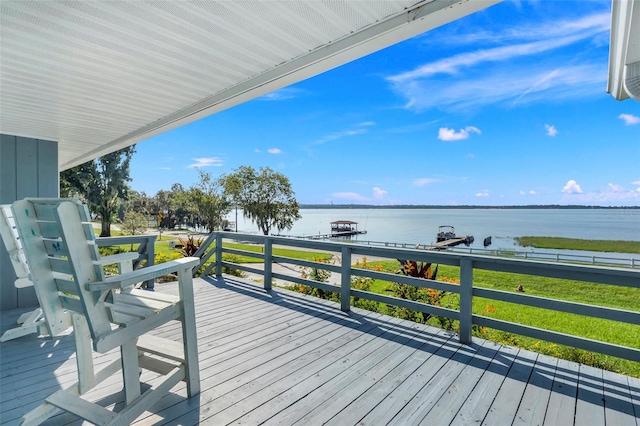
12, 243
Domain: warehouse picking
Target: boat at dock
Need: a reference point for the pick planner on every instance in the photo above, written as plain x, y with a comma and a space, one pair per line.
340, 228
447, 237
446, 232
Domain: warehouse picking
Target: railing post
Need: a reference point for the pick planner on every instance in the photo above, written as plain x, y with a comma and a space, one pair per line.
466, 296
151, 256
345, 280
218, 255
267, 263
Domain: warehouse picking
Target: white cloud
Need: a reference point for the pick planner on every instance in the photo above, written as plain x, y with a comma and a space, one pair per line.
629, 119
612, 187
281, 95
551, 130
532, 192
206, 162
612, 194
425, 181
596, 22
446, 134
257, 150
379, 193
359, 129
274, 151
483, 193
572, 187
353, 196
471, 79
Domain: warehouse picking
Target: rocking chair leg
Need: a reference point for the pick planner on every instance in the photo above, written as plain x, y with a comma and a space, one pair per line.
29, 323
84, 358
130, 371
39, 414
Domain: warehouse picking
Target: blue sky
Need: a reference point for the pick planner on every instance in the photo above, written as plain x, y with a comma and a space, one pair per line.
505, 107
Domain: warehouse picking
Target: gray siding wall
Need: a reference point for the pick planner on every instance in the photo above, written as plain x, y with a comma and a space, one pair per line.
28, 168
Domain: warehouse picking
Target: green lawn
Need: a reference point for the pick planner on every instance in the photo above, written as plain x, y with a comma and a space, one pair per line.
162, 248
579, 244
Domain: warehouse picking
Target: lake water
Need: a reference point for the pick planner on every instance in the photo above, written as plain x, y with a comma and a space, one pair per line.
503, 225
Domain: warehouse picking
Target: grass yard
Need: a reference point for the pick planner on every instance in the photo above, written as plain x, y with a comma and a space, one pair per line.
578, 244
277, 251
164, 250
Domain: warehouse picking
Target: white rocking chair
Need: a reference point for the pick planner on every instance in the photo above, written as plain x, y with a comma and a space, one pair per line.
29, 322
33, 321
59, 245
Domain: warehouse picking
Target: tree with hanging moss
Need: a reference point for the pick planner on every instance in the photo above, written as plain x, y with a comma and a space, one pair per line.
265, 196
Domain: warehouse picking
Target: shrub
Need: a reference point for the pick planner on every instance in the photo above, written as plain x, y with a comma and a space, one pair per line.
191, 245
166, 257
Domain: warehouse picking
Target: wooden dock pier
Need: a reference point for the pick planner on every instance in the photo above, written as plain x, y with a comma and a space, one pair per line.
449, 243
339, 228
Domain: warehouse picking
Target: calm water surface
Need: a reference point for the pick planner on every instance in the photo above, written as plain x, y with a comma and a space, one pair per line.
503, 225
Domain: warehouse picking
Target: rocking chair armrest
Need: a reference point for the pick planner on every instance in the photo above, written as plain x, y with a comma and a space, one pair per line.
118, 258
144, 274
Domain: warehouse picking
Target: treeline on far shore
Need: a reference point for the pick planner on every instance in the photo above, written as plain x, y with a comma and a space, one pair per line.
437, 206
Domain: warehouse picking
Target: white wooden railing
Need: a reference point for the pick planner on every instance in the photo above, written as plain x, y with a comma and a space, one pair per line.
467, 263
146, 251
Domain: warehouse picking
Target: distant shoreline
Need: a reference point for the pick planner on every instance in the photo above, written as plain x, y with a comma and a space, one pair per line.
421, 206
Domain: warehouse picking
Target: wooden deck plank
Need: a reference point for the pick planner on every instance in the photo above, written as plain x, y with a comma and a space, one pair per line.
452, 400
590, 402
387, 408
476, 406
382, 389
301, 398
506, 403
334, 395
251, 378
533, 405
432, 391
257, 391
282, 357
562, 403
634, 388
619, 409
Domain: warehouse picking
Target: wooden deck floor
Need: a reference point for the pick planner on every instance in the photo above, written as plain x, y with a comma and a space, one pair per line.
284, 358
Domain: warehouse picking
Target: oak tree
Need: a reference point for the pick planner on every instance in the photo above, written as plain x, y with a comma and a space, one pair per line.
265, 196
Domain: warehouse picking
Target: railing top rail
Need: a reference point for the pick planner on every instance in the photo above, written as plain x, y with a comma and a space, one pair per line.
124, 239
589, 273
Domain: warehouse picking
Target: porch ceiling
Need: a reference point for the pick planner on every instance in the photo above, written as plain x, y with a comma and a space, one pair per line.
98, 76
624, 50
